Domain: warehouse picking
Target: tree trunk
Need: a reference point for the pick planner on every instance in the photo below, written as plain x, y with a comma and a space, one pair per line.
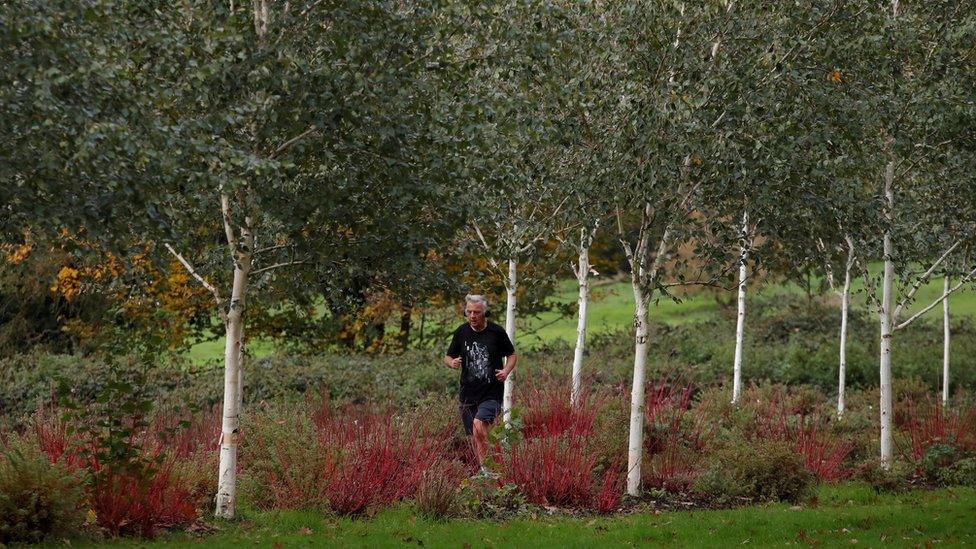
845, 300
583, 302
635, 446
240, 372
945, 342
887, 322
741, 315
510, 329
405, 327
234, 330
420, 335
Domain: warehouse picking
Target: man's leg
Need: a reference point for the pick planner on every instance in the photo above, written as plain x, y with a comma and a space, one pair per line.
480, 440
487, 412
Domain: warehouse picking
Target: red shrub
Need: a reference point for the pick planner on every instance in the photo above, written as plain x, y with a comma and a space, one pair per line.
549, 414
376, 463
674, 469
666, 400
53, 438
665, 405
128, 502
931, 424
184, 436
607, 498
552, 470
125, 504
823, 456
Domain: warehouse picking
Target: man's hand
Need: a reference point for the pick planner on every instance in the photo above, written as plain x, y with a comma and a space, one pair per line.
453, 363
501, 375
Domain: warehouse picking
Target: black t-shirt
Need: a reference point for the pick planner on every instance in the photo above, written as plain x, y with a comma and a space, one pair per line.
481, 354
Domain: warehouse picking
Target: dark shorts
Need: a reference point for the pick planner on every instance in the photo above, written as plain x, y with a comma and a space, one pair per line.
486, 411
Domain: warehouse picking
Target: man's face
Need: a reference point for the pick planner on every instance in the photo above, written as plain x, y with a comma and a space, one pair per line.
475, 313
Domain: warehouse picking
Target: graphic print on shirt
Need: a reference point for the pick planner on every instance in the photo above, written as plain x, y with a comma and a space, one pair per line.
478, 363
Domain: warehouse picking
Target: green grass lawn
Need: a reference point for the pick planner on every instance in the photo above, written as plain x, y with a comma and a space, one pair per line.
611, 310
851, 514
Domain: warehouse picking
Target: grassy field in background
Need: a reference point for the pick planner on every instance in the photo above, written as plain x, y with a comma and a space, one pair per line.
612, 307
840, 515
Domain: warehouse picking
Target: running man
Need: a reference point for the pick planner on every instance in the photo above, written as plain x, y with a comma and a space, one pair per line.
486, 357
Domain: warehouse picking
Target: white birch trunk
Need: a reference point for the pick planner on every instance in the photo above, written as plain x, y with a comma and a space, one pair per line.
583, 301
741, 315
945, 342
234, 328
510, 287
635, 445
887, 322
640, 278
240, 373
845, 301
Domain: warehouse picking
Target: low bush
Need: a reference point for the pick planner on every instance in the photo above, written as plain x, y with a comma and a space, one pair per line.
550, 413
755, 471
285, 465
608, 494
960, 473
894, 479
437, 494
674, 469
486, 498
141, 472
347, 460
38, 499
926, 424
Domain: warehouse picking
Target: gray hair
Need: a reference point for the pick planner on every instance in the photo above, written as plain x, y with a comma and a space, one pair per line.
476, 298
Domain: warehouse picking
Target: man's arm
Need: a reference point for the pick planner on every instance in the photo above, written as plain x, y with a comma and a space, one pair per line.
510, 362
453, 362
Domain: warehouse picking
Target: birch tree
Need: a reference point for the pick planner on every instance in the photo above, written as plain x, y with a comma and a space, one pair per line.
740, 318
786, 149
844, 293
583, 166
518, 205
662, 86
277, 127
922, 76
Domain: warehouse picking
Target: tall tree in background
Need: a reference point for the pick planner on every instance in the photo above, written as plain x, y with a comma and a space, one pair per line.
516, 207
920, 74
656, 83
280, 128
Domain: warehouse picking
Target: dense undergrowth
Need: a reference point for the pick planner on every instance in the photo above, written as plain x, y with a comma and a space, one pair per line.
314, 436
347, 459
789, 340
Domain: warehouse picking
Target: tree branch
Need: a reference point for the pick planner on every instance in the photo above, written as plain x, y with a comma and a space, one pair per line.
225, 215
491, 258
270, 248
828, 268
284, 146
277, 265
962, 282
922, 280
200, 279
871, 287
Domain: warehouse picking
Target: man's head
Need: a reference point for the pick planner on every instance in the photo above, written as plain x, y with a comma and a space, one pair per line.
475, 310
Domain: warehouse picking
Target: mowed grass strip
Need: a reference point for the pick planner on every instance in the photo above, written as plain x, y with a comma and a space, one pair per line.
847, 515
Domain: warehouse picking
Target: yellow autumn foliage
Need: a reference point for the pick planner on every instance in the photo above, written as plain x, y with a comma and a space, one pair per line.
16, 253
67, 284
149, 298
